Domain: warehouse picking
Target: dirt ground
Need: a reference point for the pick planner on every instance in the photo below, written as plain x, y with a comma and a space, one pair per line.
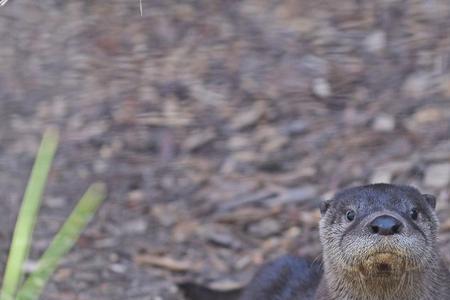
218, 127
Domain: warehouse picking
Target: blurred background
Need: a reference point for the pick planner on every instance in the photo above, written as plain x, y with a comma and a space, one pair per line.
218, 127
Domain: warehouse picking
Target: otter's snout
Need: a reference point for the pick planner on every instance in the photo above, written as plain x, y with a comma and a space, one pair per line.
385, 225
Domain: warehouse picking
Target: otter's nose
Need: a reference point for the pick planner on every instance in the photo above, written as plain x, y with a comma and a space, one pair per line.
385, 225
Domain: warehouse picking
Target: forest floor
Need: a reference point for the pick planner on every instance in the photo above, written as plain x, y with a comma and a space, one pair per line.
218, 127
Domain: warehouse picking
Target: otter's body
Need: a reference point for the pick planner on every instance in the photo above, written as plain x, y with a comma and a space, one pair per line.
379, 243
287, 278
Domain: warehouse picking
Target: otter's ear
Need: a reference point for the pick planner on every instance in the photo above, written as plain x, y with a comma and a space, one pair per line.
324, 206
430, 199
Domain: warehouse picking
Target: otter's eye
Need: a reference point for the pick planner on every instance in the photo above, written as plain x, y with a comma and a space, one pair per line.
350, 215
414, 214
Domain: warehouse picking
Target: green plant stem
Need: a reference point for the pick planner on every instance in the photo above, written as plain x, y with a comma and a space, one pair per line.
26, 219
63, 242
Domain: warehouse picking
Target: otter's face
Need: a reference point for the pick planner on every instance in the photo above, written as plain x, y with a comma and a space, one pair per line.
379, 229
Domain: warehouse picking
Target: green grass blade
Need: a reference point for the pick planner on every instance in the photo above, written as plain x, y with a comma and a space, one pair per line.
63, 241
26, 219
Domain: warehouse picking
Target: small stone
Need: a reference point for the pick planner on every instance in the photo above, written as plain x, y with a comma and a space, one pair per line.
381, 176
428, 115
100, 167
292, 232
321, 88
265, 228
118, 268
437, 175
136, 196
424, 117
375, 42
30, 266
384, 123
138, 226
55, 202
225, 285
416, 85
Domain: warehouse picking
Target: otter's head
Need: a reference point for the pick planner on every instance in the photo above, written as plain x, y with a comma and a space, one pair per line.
379, 230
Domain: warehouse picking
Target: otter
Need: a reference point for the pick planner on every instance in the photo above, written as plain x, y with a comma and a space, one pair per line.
379, 242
